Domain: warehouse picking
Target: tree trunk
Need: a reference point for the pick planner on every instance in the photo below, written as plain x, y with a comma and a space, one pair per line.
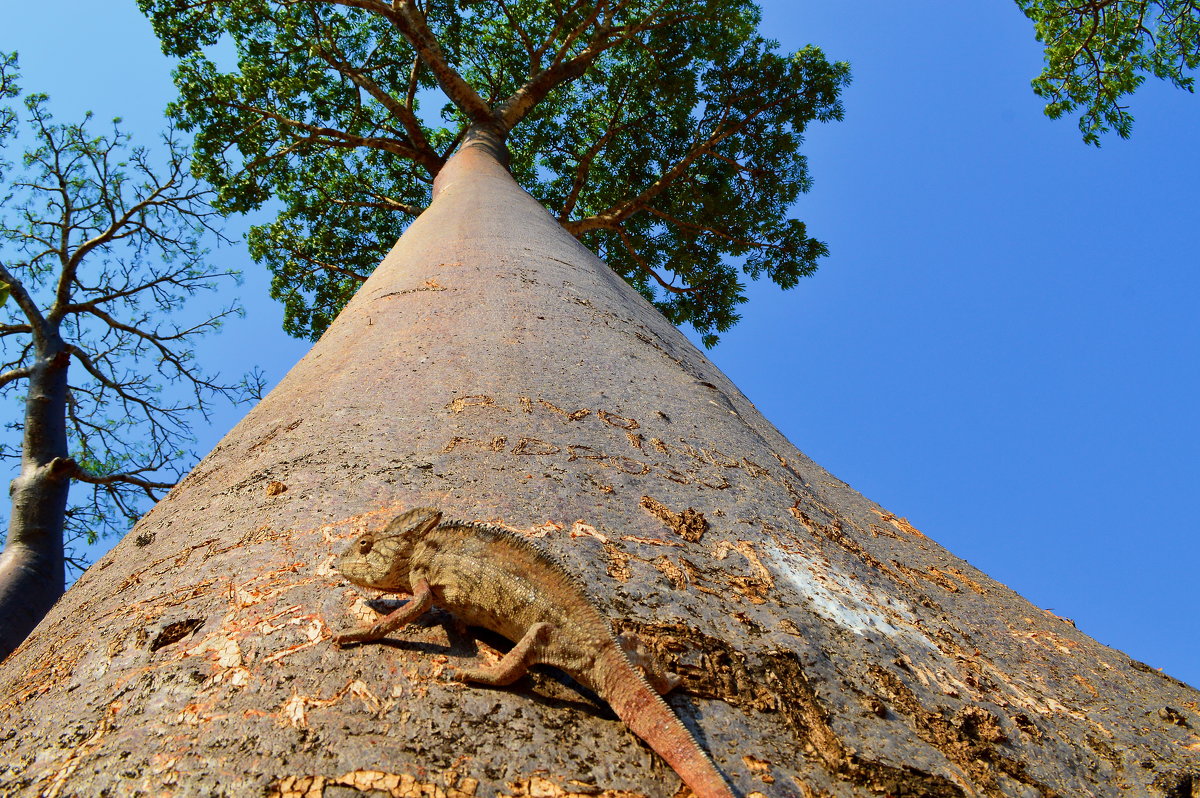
32, 572
496, 369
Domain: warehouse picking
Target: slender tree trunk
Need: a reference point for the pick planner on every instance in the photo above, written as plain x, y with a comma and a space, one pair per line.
32, 575
494, 368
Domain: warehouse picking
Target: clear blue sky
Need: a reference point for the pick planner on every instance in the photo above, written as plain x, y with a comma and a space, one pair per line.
1003, 343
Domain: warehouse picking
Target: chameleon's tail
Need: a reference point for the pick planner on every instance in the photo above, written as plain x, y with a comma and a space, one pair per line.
649, 717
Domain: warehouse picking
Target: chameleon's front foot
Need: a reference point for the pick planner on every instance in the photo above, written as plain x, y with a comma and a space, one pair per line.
422, 600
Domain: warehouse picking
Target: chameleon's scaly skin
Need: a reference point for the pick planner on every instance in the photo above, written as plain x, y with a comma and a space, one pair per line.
490, 577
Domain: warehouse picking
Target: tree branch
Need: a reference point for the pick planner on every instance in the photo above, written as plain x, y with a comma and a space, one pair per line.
706, 230
645, 267
14, 375
337, 138
423, 153
384, 204
80, 474
584, 167
319, 264
622, 211
37, 322
408, 19
149, 407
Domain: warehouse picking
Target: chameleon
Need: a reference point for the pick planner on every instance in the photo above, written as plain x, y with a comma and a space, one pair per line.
490, 577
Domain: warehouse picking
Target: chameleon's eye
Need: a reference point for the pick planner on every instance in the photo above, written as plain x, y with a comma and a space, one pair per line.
365, 545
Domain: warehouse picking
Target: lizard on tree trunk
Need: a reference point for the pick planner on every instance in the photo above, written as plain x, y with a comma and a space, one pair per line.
490, 577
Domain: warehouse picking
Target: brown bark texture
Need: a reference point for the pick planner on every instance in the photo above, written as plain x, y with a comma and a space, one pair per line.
496, 369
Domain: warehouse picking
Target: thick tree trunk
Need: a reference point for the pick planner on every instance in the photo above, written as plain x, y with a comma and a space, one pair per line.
32, 573
496, 369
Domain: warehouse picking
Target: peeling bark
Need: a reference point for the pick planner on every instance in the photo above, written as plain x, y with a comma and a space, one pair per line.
494, 368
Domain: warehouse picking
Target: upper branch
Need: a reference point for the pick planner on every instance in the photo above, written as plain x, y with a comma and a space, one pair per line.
409, 20
515, 108
622, 211
562, 69
422, 152
123, 225
41, 329
645, 267
332, 137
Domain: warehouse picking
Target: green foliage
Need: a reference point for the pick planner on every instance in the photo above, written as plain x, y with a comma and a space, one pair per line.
663, 133
1099, 51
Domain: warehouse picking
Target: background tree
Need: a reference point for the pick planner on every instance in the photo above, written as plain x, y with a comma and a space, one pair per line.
101, 251
665, 135
1099, 51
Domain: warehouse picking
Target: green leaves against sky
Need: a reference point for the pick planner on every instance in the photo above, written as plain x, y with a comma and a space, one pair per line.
663, 133
1100, 51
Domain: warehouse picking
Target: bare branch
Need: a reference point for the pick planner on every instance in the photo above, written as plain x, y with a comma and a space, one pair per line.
20, 294
81, 475
14, 375
102, 378
178, 277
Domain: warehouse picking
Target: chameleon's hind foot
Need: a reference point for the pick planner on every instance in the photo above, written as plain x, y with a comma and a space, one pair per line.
663, 681
515, 663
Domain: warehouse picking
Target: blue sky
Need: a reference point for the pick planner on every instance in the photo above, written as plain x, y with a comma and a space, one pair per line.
1002, 345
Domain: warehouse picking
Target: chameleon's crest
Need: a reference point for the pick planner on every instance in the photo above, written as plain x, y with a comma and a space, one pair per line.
545, 559
414, 523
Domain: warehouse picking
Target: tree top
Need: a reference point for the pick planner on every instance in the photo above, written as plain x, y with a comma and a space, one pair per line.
662, 133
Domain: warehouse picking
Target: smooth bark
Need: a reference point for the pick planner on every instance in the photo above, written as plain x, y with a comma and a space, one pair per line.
32, 568
494, 368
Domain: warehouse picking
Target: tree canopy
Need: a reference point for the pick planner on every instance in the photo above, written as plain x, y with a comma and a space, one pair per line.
1100, 51
662, 133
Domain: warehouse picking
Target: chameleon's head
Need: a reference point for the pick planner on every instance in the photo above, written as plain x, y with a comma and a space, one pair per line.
381, 559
